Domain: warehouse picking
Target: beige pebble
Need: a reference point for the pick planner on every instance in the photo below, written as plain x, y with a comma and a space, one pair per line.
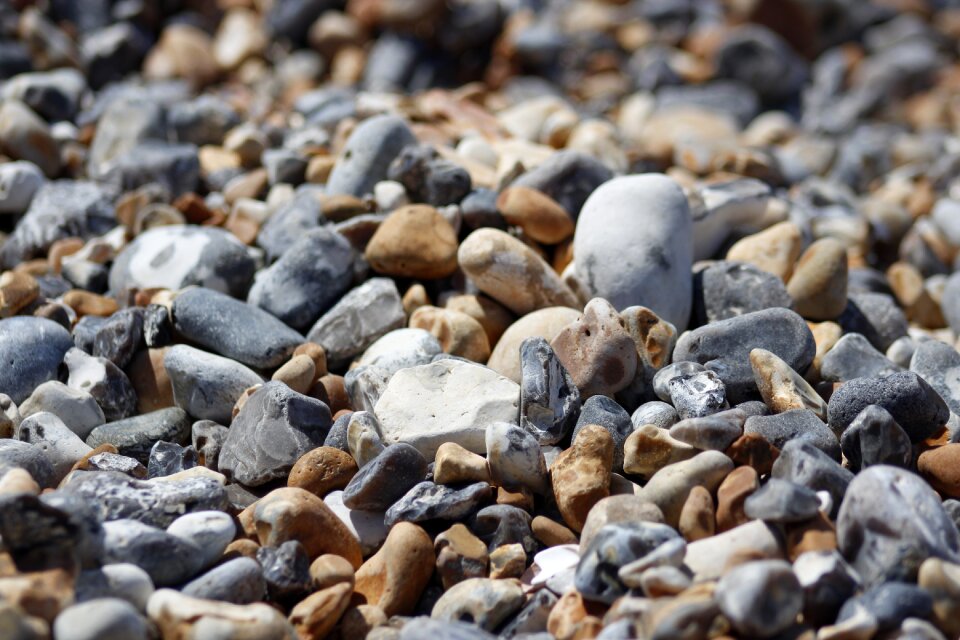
460, 555
544, 323
86, 303
782, 388
650, 448
454, 464
774, 250
540, 216
508, 561
395, 577
322, 470
329, 569
492, 316
818, 285
414, 298
298, 373
458, 333
581, 475
415, 241
697, 520
315, 616
17, 290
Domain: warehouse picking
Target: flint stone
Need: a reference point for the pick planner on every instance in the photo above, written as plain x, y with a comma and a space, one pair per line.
135, 436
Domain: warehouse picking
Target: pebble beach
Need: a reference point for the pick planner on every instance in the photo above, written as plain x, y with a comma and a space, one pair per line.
475, 319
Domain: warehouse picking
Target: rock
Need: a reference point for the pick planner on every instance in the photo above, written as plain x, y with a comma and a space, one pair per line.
238, 581
428, 177
100, 618
603, 412
386, 479
168, 559
511, 273
942, 581
876, 316
307, 280
25, 136
120, 336
782, 388
484, 601
732, 495
62, 447
117, 496
716, 432
568, 177
938, 466
363, 315
915, 525
135, 436
428, 405
540, 216
458, 333
515, 460
298, 373
233, 329
794, 425
782, 502
599, 354
316, 615
206, 385
289, 223
174, 257
19, 182
612, 548
177, 614
286, 571
126, 581
760, 598
414, 241
615, 509
78, 410
545, 323
724, 347
580, 475
803, 463
650, 448
429, 501
45, 341
60, 209
669, 487
366, 157
657, 274
454, 464
874, 437
294, 514
103, 380
890, 604
273, 429
854, 357
503, 525
174, 167
728, 289
401, 349
210, 531
698, 394
915, 406
774, 250
322, 470
394, 578
818, 285
937, 363
20, 455
364, 439
659, 414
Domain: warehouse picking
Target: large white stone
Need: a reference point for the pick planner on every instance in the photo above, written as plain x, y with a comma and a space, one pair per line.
446, 401
634, 246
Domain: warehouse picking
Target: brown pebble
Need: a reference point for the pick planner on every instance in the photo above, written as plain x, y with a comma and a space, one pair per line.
342, 206
697, 520
522, 499
753, 450
317, 354
86, 303
359, 621
414, 241
458, 334
298, 373
150, 380
551, 533
63, 248
574, 618
319, 168
731, 494
650, 448
818, 285
330, 569
492, 316
17, 290
816, 534
774, 250
581, 474
414, 298
454, 464
460, 555
322, 470
241, 548
782, 388
941, 468
540, 216
508, 561
395, 576
315, 616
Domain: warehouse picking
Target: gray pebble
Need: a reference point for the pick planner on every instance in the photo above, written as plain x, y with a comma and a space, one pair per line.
656, 413
167, 559
797, 424
289, 223
827, 582
21, 455
369, 150
515, 460
854, 357
101, 619
78, 410
697, 394
205, 385
429, 501
716, 431
31, 350
549, 399
175, 167
207, 437
120, 337
761, 598
781, 501
62, 446
939, 365
365, 384
803, 463
19, 182
103, 380
386, 479
120, 580
239, 581
876, 316
605, 412
728, 289
890, 604
135, 436
874, 437
567, 176
501, 524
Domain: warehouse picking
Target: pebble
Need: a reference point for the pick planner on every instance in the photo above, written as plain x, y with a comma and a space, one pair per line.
669, 487
774, 250
512, 273
363, 437
937, 363
503, 525
233, 329
178, 256
795, 424
121, 580
874, 437
483, 601
818, 285
100, 618
175, 614
781, 501
606, 413
168, 559
77, 409
544, 323
658, 413
782, 388
714, 432
25, 136
458, 333
890, 604
308, 279
367, 155
938, 467
914, 404
658, 237
876, 316
135, 436
386, 479
854, 357
103, 380
401, 349
273, 429
650, 448
540, 216
429, 501
515, 459
698, 394
237, 581
430, 404
414, 241
941, 580
760, 598
460, 555
363, 315
728, 289
205, 385
61, 446
394, 578
580, 476
19, 182
724, 347
317, 614
454, 464
45, 341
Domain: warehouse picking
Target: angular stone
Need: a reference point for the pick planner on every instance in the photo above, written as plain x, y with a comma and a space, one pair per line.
386, 479
939, 365
803, 463
854, 357
874, 437
429, 501
760, 598
795, 424
580, 475
782, 388
135, 436
782, 502
205, 385
103, 380
698, 394
549, 398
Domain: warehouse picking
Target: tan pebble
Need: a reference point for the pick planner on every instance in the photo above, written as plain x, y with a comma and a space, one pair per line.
18, 480
395, 577
330, 569
540, 216
597, 351
460, 555
61, 249
41, 594
243, 226
213, 158
752, 449
150, 380
522, 499
319, 168
291, 513
818, 285
669, 487
653, 336
342, 206
240, 36
774, 250
940, 467
359, 621
414, 298
544, 323
581, 474
458, 333
508, 561
732, 493
697, 520
614, 509
414, 241
454, 464
816, 534
621, 486
315, 616
252, 184
36, 267
322, 470
241, 548
782, 388
298, 373
551, 533
571, 619
492, 316
86, 303
650, 448
183, 51
511, 273
941, 579
911, 292
331, 390
178, 617
17, 290
317, 354
825, 335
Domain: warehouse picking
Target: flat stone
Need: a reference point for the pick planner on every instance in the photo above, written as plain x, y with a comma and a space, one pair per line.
205, 385
669, 487
78, 410
795, 424
386, 479
367, 155
135, 436
430, 404
178, 256
122, 580
724, 347
709, 558
45, 341
168, 559
644, 217
175, 613
233, 329
273, 429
